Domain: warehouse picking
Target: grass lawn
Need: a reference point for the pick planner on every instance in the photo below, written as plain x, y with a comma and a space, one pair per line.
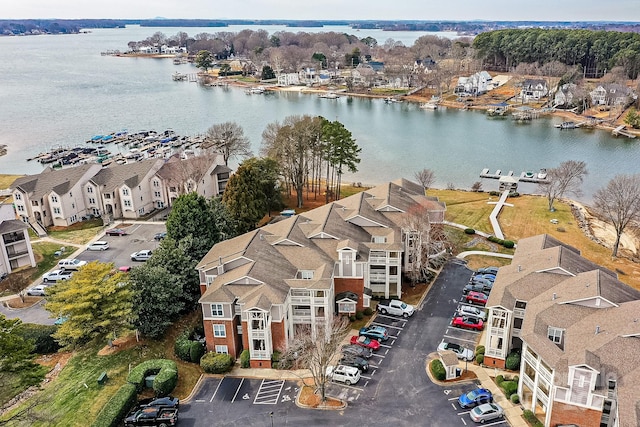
7, 180
79, 233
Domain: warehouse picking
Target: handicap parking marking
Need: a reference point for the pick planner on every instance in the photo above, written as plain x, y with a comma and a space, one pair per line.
269, 392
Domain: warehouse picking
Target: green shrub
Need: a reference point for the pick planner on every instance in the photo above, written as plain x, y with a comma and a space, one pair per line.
275, 359
437, 370
359, 315
513, 361
509, 387
196, 350
214, 363
149, 367
514, 194
480, 349
245, 357
469, 231
494, 193
480, 359
352, 318
182, 347
117, 407
41, 337
516, 379
531, 418
515, 399
508, 244
499, 380
165, 381
368, 311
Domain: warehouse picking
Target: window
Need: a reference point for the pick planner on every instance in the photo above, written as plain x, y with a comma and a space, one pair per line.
107, 196
555, 334
18, 196
56, 211
89, 189
125, 191
141, 199
222, 349
127, 203
306, 274
141, 211
73, 218
34, 203
70, 195
54, 199
20, 208
379, 239
347, 307
219, 331
92, 201
156, 184
73, 205
156, 193
216, 310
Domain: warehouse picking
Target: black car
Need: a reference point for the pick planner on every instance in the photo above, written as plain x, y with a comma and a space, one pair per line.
356, 350
356, 362
160, 236
116, 232
165, 402
476, 287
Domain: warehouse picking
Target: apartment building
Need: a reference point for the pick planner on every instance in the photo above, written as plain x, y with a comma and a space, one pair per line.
260, 288
15, 246
577, 329
129, 191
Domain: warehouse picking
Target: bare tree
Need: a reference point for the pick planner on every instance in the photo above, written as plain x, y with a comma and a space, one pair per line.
619, 203
565, 179
426, 177
314, 348
424, 241
229, 140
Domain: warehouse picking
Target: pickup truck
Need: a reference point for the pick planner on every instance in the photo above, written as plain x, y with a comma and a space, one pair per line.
395, 307
152, 416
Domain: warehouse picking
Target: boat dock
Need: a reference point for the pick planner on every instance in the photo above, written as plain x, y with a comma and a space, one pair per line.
528, 176
621, 130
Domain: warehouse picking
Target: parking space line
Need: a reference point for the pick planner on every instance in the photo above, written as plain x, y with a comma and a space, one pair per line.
237, 391
459, 339
366, 378
387, 326
378, 355
453, 398
214, 393
385, 346
463, 421
373, 366
269, 392
495, 424
347, 386
399, 319
462, 413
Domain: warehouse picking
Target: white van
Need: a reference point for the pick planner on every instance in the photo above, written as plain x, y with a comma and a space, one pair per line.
344, 374
99, 245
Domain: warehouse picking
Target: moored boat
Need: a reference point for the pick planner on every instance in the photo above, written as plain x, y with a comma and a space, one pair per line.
542, 174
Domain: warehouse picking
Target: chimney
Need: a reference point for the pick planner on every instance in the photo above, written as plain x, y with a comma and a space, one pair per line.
597, 330
519, 268
554, 296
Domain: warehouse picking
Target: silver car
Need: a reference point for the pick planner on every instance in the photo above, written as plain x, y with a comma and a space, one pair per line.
55, 275
486, 412
141, 255
468, 310
37, 291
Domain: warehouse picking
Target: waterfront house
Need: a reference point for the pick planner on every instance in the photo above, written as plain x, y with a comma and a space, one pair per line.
576, 328
533, 90
15, 245
612, 94
288, 79
476, 84
567, 96
259, 288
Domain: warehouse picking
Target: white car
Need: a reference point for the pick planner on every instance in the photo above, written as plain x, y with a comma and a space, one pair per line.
468, 310
38, 290
55, 275
71, 264
99, 245
344, 374
460, 351
142, 255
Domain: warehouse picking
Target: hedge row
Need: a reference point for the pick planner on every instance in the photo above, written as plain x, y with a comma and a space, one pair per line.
437, 370
506, 243
157, 367
245, 357
531, 418
214, 363
117, 407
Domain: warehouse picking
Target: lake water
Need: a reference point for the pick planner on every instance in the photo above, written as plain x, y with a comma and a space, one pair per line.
59, 90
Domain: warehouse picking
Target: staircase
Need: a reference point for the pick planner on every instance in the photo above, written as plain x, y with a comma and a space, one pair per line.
38, 228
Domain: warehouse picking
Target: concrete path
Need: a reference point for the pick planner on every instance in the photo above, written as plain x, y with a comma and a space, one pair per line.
493, 217
463, 255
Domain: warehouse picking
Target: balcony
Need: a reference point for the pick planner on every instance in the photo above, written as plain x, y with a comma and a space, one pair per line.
16, 254
494, 352
302, 300
377, 260
257, 334
377, 277
13, 238
518, 312
260, 355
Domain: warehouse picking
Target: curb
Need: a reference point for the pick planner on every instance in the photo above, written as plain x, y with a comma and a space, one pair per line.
332, 408
194, 389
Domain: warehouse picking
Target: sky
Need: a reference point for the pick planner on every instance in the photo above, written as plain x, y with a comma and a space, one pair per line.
508, 10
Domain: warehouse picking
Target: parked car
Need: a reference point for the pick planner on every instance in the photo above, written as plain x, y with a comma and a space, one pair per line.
344, 374
55, 275
475, 397
99, 245
71, 264
476, 287
355, 361
116, 232
365, 342
37, 291
142, 255
476, 298
468, 310
153, 416
468, 322
460, 351
165, 402
356, 350
482, 278
486, 412
489, 270
395, 307
160, 236
378, 333
60, 320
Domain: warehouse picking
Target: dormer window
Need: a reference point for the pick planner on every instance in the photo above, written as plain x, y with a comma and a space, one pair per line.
379, 239
555, 335
306, 274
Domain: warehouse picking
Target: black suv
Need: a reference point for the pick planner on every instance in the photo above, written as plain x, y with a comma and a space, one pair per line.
356, 362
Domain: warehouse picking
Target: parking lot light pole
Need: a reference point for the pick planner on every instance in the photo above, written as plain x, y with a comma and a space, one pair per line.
271, 416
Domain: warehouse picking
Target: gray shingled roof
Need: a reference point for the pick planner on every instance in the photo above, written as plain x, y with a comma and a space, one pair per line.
130, 174
11, 225
60, 181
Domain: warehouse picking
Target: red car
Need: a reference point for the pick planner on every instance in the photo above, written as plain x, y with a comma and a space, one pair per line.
468, 322
365, 342
476, 298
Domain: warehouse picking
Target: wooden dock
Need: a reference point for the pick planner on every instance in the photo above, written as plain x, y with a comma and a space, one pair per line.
523, 177
620, 130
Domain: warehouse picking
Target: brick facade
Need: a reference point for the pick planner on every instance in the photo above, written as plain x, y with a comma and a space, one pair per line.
279, 336
493, 362
350, 285
563, 413
232, 339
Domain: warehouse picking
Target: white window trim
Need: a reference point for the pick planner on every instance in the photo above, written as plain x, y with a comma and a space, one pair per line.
555, 334
215, 307
217, 328
222, 349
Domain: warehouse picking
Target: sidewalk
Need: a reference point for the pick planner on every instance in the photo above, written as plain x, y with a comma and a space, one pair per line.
513, 412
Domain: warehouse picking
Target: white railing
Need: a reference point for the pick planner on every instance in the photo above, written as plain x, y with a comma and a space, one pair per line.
498, 332
377, 260
260, 355
320, 301
529, 358
516, 332
378, 277
544, 374
300, 300
257, 334
302, 313
494, 352
518, 312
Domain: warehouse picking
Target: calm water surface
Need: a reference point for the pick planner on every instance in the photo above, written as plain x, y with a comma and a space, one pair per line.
59, 90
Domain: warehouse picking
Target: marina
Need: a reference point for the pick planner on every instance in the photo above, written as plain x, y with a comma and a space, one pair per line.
525, 176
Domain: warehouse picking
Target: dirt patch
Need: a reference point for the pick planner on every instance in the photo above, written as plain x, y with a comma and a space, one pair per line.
309, 399
120, 344
17, 303
605, 234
